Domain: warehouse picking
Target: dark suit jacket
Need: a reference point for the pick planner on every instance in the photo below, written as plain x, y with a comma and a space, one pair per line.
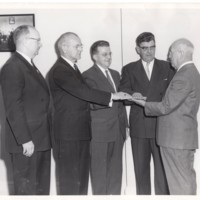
134, 79
26, 99
177, 121
71, 97
107, 122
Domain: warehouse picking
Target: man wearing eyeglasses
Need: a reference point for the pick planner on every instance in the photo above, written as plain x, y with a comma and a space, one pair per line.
108, 124
149, 77
27, 108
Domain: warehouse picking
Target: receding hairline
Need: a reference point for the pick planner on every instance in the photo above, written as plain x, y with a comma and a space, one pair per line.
182, 42
22, 31
67, 36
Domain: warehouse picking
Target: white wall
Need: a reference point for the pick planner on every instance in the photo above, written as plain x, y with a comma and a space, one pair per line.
93, 22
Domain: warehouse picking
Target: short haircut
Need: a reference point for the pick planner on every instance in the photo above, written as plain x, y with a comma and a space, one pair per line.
63, 39
20, 31
184, 45
95, 45
144, 37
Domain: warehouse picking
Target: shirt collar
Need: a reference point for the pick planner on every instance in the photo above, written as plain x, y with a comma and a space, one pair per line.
68, 61
25, 56
150, 64
185, 63
103, 69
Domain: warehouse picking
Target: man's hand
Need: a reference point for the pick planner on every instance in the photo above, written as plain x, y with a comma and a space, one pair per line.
140, 102
121, 96
138, 96
28, 148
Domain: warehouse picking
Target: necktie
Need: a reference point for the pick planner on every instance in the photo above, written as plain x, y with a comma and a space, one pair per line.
35, 67
148, 71
76, 67
109, 79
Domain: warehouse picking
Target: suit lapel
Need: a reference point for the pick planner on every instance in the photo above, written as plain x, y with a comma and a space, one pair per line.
76, 73
156, 73
115, 79
141, 74
103, 78
34, 73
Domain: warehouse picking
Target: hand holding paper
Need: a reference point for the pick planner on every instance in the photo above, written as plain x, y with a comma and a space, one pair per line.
138, 96
121, 96
138, 99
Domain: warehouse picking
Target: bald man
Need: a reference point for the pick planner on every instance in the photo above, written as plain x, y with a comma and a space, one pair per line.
72, 123
27, 106
177, 124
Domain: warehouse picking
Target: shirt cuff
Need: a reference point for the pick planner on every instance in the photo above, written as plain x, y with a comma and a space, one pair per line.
111, 101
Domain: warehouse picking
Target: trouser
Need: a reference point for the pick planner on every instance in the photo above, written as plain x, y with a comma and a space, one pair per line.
31, 174
106, 167
72, 166
181, 176
142, 149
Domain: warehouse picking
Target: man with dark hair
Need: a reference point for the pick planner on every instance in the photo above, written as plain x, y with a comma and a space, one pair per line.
28, 115
108, 124
72, 127
150, 77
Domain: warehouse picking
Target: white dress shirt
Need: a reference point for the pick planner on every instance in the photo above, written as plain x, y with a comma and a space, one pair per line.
69, 62
150, 67
25, 57
104, 72
188, 62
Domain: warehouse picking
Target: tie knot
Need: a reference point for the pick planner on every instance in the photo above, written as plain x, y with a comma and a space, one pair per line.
106, 71
75, 67
32, 63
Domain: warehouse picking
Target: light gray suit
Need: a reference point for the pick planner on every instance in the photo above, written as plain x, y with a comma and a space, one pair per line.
177, 128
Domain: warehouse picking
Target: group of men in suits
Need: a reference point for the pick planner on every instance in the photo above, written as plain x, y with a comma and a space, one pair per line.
34, 124
85, 121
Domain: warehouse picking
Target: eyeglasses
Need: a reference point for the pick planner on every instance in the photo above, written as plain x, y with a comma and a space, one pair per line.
151, 48
79, 46
36, 39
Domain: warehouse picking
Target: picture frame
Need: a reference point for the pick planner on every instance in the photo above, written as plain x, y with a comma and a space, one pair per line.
8, 23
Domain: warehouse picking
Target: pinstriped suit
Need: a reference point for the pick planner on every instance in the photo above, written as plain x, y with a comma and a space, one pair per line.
108, 134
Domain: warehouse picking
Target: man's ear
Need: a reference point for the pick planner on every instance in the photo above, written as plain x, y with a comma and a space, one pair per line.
64, 48
137, 49
94, 57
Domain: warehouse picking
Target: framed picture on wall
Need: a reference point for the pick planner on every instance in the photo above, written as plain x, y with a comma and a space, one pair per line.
8, 23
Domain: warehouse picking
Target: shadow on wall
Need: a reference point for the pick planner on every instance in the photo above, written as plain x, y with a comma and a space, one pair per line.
4, 155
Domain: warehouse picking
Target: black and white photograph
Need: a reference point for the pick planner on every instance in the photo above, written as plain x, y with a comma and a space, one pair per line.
8, 23
100, 99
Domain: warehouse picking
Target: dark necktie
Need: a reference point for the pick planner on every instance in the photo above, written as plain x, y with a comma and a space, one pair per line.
76, 67
109, 79
35, 67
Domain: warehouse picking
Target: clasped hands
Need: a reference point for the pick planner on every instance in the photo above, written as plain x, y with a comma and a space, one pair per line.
136, 97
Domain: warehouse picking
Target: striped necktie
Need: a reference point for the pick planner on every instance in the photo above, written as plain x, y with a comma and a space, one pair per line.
109, 79
76, 67
37, 70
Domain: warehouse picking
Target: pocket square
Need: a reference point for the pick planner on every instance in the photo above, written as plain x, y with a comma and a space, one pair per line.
165, 79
